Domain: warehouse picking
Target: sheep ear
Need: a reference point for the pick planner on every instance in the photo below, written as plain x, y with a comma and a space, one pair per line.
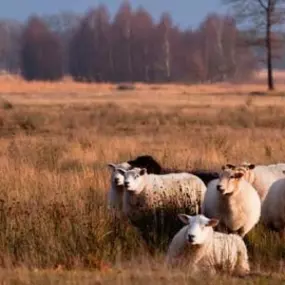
143, 171
185, 219
238, 175
112, 165
212, 223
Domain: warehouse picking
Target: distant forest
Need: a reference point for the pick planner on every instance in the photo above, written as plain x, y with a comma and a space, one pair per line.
129, 47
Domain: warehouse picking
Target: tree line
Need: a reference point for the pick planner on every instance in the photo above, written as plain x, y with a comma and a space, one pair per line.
130, 47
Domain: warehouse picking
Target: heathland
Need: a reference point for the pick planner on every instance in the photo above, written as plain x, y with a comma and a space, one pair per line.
56, 141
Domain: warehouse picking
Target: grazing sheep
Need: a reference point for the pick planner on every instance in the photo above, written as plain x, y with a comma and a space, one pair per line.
273, 208
233, 200
115, 195
202, 249
261, 177
152, 166
145, 191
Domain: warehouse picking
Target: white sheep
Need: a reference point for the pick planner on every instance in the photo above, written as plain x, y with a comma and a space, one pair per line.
116, 191
202, 249
145, 191
273, 207
261, 176
232, 200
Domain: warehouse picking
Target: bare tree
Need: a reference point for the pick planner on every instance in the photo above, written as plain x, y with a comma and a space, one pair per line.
142, 43
164, 33
262, 16
122, 36
41, 52
10, 36
133, 48
90, 47
63, 24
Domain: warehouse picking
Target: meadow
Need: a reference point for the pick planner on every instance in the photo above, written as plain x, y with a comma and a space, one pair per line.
56, 140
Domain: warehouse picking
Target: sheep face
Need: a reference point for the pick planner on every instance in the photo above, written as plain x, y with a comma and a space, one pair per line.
118, 175
229, 179
134, 179
198, 228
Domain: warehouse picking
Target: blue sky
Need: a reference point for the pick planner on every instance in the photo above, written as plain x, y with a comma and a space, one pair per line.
184, 12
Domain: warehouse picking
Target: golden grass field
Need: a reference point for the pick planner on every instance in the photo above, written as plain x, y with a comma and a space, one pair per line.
56, 139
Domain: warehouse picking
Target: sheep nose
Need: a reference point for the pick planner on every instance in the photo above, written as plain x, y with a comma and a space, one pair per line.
191, 238
117, 180
127, 184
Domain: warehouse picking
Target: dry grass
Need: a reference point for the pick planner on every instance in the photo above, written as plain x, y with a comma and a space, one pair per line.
56, 140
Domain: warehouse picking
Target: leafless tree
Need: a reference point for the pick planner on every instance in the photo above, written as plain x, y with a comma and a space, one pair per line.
10, 36
262, 17
41, 52
64, 25
133, 48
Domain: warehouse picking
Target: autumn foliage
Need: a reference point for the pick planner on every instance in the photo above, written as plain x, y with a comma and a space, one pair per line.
129, 47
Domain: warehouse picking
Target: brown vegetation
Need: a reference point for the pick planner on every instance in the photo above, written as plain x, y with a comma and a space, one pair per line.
56, 140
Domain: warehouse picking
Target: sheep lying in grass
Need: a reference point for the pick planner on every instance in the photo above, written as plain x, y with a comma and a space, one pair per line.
145, 191
198, 246
233, 200
273, 208
261, 176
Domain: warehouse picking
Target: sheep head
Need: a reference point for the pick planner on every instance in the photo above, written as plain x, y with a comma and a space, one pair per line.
229, 179
117, 173
198, 228
134, 179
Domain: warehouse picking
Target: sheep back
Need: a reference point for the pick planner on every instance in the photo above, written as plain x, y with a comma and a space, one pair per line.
273, 207
181, 190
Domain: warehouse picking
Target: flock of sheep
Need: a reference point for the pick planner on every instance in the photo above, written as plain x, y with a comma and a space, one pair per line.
227, 204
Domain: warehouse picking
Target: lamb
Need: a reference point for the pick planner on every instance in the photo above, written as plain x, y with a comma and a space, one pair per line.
115, 195
202, 249
273, 208
152, 166
145, 191
261, 176
234, 201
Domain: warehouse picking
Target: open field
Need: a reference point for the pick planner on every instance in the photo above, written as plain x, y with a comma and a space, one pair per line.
56, 139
